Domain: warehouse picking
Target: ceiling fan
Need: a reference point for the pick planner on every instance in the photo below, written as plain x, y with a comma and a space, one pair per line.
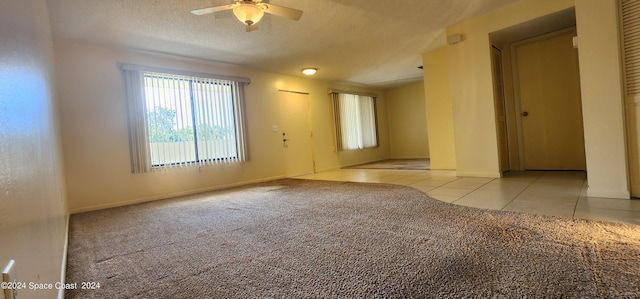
250, 12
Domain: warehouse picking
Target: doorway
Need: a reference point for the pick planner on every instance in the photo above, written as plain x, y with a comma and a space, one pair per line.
547, 85
297, 137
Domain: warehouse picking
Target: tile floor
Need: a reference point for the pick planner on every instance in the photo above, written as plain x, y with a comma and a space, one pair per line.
557, 193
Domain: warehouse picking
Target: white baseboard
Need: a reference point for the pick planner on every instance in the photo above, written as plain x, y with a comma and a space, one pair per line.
65, 250
438, 167
409, 158
622, 194
478, 174
354, 164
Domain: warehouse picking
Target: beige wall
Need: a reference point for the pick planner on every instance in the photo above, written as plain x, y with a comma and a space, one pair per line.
438, 107
603, 114
32, 206
408, 137
602, 98
471, 86
94, 129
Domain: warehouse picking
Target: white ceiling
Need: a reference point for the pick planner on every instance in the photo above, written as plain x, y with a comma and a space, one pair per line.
376, 43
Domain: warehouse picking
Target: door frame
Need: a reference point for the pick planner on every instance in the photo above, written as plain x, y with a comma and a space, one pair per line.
310, 126
499, 83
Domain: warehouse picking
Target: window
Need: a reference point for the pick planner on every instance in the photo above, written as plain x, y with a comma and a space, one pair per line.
355, 118
178, 119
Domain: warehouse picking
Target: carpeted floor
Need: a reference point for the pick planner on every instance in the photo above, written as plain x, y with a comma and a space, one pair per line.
412, 164
314, 239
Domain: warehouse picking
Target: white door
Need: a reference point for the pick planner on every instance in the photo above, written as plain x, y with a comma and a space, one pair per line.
295, 130
548, 82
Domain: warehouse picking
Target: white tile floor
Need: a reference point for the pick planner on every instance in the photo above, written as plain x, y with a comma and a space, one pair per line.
558, 193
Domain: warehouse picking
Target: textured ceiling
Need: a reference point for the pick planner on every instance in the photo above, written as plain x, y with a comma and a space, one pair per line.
375, 43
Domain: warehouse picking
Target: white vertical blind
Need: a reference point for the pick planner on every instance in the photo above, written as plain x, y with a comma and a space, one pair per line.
631, 35
168, 99
355, 121
631, 38
180, 120
349, 126
368, 122
136, 115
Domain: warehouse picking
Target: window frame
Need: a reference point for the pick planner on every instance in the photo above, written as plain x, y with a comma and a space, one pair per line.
138, 113
342, 140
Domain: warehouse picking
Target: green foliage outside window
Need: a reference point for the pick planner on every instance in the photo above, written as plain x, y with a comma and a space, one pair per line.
162, 128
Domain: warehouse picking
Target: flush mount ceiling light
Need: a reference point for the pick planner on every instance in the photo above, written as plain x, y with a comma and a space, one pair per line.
309, 71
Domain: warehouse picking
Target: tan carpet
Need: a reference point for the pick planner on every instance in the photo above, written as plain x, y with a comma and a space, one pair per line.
315, 239
411, 164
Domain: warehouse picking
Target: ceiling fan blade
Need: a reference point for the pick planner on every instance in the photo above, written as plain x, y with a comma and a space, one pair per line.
227, 14
208, 10
282, 11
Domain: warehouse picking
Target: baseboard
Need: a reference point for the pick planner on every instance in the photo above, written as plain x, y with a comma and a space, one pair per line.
65, 250
171, 195
436, 166
364, 162
608, 193
349, 165
409, 158
478, 174
367, 162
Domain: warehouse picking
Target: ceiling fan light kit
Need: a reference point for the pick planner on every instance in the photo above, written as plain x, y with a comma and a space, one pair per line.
249, 12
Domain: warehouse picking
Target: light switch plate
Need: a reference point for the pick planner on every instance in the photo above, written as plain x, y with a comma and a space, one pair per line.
274, 128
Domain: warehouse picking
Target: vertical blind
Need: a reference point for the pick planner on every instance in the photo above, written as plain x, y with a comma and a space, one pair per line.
180, 120
631, 36
630, 10
355, 121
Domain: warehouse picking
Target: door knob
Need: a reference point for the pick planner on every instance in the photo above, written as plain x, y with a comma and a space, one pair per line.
525, 113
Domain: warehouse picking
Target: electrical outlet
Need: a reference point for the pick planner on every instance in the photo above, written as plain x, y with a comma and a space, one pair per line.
9, 282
